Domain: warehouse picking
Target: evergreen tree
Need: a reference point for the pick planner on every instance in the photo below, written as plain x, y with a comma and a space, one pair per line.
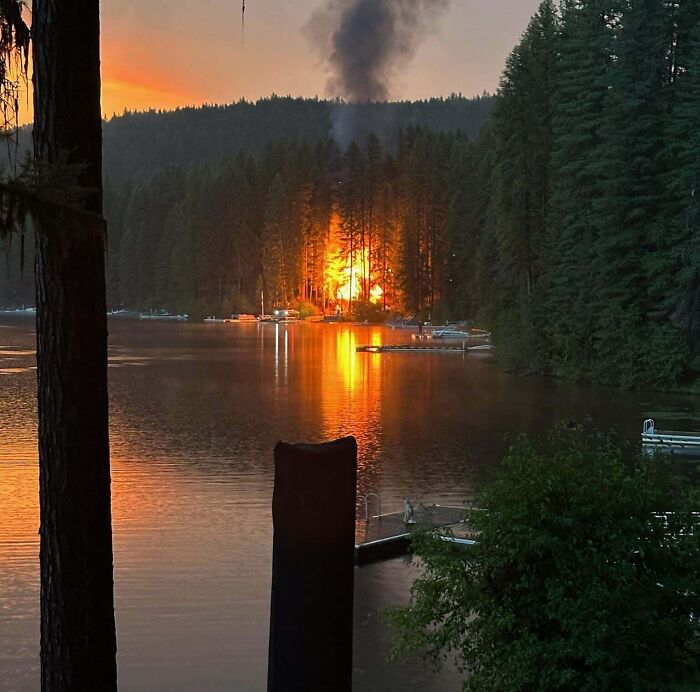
586, 50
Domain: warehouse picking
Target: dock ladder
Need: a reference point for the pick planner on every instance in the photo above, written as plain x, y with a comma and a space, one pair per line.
366, 499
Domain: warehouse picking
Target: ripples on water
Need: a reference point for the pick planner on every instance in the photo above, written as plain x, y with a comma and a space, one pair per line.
195, 413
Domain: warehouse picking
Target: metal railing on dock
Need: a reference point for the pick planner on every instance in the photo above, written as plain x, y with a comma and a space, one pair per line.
386, 536
365, 499
669, 441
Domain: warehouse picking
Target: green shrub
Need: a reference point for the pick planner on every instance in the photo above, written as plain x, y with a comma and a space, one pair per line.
573, 584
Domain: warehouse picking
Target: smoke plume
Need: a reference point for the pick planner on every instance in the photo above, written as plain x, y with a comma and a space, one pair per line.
366, 44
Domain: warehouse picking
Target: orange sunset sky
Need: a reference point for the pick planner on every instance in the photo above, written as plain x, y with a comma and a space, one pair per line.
168, 53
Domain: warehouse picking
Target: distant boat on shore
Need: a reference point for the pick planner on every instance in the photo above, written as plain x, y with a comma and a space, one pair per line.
451, 332
122, 313
285, 315
163, 316
18, 311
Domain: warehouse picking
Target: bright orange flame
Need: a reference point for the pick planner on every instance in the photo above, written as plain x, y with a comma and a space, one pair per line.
345, 274
348, 279
376, 293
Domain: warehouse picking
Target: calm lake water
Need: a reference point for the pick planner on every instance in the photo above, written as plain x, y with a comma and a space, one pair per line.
195, 413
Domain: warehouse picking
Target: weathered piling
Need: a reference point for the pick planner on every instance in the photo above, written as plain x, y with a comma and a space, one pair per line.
313, 512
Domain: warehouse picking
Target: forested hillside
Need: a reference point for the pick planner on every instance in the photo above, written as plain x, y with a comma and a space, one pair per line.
147, 142
189, 190
586, 254
341, 231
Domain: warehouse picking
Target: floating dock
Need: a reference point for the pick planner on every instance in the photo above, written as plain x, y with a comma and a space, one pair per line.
423, 348
386, 536
682, 444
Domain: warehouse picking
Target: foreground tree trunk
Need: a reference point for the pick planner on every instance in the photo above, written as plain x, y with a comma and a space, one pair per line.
78, 643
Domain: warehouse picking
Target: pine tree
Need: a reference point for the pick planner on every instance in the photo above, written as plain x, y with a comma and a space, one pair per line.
635, 342
683, 181
586, 49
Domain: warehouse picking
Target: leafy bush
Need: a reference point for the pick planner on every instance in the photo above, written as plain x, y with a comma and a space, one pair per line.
574, 584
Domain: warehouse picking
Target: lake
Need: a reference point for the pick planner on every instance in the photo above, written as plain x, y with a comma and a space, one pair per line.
195, 413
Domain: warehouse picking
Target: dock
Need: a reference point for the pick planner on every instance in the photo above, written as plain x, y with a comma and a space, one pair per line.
385, 536
422, 348
676, 443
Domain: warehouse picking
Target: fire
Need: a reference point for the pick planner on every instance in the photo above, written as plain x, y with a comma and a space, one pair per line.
376, 294
345, 279
349, 277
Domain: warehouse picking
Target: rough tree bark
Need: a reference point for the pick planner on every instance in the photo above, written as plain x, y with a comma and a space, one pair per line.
78, 642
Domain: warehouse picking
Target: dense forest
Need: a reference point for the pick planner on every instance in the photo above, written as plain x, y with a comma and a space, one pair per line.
585, 256
359, 230
208, 207
562, 213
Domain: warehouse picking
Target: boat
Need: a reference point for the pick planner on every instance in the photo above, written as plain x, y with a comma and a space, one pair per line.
164, 316
18, 311
122, 313
285, 315
455, 332
674, 442
451, 332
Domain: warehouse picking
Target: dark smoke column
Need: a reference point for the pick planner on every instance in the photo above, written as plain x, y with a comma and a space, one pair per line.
366, 44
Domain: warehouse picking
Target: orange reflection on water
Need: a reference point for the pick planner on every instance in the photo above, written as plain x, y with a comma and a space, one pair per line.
19, 513
137, 500
346, 358
351, 392
19, 471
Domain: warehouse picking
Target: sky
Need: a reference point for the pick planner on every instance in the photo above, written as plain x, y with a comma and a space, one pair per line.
168, 53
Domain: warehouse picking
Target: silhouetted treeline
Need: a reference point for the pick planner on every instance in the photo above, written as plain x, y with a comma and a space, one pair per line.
295, 223
186, 189
584, 255
146, 142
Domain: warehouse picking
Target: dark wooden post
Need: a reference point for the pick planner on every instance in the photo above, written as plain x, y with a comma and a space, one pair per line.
313, 511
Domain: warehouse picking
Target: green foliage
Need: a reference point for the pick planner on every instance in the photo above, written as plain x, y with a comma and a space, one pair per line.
213, 238
584, 260
520, 342
574, 583
143, 143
